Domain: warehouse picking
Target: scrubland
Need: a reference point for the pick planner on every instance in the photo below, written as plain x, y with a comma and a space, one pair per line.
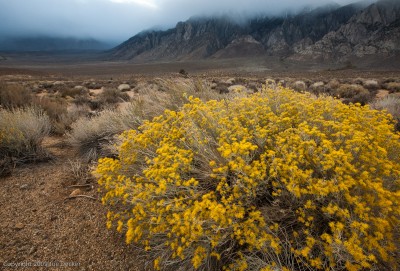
202, 173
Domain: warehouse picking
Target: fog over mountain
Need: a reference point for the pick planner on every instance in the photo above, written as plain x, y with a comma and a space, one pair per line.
117, 20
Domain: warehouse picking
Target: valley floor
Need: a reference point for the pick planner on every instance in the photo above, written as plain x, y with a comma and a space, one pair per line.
40, 223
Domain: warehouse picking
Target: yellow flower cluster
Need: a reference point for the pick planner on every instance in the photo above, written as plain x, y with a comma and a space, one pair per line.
203, 183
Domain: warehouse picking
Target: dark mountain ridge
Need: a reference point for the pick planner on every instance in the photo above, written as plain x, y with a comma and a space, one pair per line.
316, 33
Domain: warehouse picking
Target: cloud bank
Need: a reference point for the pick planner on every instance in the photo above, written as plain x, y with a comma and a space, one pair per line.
117, 20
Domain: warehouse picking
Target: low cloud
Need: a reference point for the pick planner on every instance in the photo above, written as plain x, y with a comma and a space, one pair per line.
117, 20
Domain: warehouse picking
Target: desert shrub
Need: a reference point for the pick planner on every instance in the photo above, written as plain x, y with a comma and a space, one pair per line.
83, 99
332, 85
183, 72
14, 96
318, 88
53, 107
358, 81
275, 181
73, 92
393, 86
371, 84
93, 137
93, 85
112, 96
222, 88
21, 133
391, 103
299, 86
352, 93
56, 109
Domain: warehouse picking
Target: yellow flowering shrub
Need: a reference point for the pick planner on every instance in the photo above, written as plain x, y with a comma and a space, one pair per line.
274, 181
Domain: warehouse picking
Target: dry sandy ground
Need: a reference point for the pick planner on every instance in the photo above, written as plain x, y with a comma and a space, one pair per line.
38, 226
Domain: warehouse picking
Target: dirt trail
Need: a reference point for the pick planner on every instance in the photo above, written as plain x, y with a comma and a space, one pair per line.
39, 227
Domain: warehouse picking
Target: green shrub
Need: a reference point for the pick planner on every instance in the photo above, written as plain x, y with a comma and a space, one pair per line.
275, 181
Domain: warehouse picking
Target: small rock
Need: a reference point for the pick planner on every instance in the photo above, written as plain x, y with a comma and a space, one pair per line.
124, 87
75, 192
24, 186
19, 226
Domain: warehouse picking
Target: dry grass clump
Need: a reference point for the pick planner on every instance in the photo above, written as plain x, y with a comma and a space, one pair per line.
391, 104
277, 180
12, 95
21, 133
94, 137
79, 171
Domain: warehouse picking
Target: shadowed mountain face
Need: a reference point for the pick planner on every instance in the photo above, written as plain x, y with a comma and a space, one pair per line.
329, 32
374, 30
51, 44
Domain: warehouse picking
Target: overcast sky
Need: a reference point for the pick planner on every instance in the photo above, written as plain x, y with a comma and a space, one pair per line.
117, 20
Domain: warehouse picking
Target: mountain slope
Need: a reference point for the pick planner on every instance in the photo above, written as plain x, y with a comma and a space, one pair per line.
375, 30
328, 32
195, 38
